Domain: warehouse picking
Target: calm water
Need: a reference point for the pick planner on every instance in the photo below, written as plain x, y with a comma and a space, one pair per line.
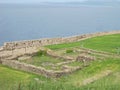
34, 22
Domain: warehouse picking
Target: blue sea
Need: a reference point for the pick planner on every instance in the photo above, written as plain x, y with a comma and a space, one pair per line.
24, 22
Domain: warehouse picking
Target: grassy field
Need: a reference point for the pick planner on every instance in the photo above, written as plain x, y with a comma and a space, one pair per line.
11, 79
107, 43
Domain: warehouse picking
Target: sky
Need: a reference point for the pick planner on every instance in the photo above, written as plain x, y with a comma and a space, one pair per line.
39, 1
36, 1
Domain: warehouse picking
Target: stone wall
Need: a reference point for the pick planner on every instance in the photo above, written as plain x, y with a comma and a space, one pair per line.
37, 43
54, 55
43, 42
28, 68
37, 70
85, 58
0, 61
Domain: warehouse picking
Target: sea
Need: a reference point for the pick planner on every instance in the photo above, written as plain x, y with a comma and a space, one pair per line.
26, 22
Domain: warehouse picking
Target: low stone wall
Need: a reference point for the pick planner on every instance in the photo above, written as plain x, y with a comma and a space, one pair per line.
52, 54
0, 61
37, 70
43, 42
4, 57
28, 68
1, 48
95, 51
85, 58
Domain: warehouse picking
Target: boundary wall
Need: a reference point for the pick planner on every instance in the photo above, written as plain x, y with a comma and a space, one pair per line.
50, 41
38, 70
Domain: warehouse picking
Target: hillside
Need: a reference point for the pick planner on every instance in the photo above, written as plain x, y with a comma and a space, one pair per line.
103, 73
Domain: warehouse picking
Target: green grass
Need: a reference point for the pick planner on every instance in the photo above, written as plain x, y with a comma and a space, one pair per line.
107, 43
95, 67
10, 79
43, 61
111, 82
63, 46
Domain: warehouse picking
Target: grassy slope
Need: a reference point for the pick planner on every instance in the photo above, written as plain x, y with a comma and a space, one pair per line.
105, 43
10, 78
96, 67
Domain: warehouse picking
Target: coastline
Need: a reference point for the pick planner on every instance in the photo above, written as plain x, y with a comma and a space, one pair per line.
50, 41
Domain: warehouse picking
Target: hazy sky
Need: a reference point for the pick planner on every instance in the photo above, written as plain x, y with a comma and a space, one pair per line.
34, 1
37, 1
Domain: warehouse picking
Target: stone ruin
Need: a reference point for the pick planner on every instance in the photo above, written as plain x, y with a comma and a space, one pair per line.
85, 58
13, 61
0, 61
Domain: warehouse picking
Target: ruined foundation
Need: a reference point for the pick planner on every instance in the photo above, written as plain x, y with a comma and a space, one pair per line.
9, 54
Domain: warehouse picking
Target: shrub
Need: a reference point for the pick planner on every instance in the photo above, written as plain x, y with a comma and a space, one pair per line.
42, 52
69, 51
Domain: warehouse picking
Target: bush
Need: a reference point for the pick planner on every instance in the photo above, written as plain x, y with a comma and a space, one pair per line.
42, 52
69, 51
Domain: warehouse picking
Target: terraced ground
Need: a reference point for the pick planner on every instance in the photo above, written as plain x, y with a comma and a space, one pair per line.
101, 74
